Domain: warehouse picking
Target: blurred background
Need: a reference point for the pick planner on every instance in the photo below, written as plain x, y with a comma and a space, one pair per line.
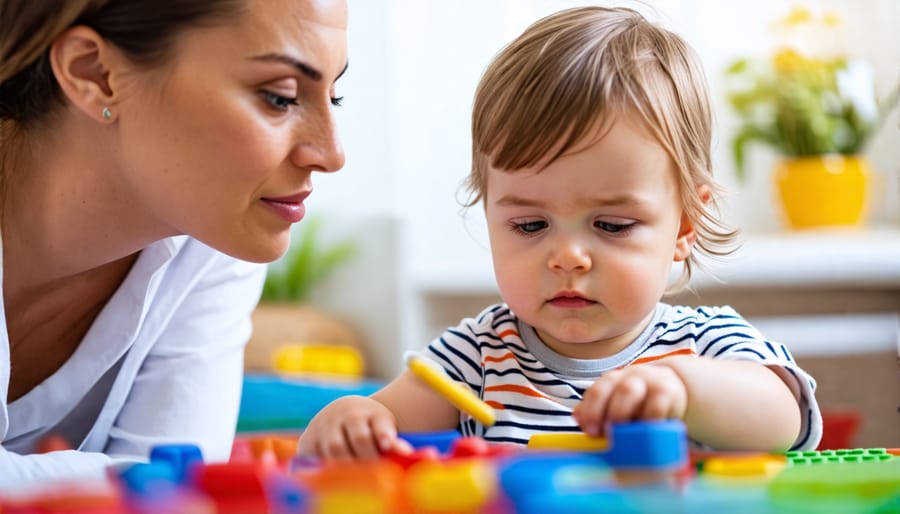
831, 293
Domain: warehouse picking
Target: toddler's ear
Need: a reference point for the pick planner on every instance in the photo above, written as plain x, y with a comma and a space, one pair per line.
687, 235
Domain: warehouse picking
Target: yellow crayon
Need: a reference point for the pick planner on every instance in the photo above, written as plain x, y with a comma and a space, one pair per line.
458, 394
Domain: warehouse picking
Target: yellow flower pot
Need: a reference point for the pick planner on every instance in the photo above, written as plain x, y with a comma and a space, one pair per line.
823, 191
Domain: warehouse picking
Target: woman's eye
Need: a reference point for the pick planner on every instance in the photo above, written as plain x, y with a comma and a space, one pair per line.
529, 227
337, 100
278, 102
613, 228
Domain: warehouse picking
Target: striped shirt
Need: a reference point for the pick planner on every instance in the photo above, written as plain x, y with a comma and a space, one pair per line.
534, 389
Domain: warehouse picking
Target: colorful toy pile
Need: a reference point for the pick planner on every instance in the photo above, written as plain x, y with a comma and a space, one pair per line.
642, 467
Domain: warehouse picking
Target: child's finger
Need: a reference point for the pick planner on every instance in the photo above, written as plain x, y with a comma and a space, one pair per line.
591, 412
361, 440
333, 444
384, 432
626, 399
402, 447
657, 405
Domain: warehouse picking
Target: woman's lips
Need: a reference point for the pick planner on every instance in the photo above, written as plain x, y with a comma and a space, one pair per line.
290, 208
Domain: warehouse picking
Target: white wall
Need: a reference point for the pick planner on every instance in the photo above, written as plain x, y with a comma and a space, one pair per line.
414, 65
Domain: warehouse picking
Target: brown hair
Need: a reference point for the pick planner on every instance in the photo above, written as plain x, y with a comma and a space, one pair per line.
144, 29
574, 71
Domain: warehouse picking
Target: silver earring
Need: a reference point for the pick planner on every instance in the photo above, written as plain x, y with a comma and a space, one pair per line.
107, 114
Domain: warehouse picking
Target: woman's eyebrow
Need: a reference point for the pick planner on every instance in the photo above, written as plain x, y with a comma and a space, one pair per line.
301, 66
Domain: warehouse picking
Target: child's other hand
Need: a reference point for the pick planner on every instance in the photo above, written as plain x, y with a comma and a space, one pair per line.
644, 392
352, 427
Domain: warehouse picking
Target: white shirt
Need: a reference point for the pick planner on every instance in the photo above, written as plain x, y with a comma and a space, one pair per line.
162, 363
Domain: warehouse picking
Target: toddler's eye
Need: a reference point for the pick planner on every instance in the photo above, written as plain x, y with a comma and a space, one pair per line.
529, 227
613, 228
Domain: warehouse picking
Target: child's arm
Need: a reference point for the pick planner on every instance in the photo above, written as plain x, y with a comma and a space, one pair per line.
726, 404
359, 427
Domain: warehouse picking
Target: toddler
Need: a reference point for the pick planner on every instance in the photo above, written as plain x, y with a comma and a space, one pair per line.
591, 156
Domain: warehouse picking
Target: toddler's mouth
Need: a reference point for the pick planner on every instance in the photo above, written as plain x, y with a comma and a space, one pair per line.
571, 300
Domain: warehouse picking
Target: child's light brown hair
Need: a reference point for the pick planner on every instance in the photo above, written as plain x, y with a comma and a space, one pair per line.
576, 70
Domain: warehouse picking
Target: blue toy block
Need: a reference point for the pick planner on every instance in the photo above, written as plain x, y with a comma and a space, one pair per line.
180, 457
576, 483
647, 445
442, 440
533, 473
149, 480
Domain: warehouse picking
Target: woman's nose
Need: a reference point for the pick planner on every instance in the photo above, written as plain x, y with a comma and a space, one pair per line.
318, 146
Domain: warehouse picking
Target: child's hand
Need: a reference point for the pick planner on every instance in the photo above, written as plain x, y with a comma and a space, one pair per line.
632, 393
352, 427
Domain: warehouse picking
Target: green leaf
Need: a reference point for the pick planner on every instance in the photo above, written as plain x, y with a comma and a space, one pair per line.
306, 264
745, 136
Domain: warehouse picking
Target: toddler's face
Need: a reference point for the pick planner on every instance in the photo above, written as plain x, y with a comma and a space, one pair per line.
583, 248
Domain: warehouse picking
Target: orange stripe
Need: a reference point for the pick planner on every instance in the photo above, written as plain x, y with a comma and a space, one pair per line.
508, 332
495, 404
509, 355
682, 351
513, 388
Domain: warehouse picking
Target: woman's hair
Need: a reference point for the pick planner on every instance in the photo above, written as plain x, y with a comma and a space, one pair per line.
145, 30
573, 72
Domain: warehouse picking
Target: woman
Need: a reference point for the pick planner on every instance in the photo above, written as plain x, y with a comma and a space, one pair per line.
152, 155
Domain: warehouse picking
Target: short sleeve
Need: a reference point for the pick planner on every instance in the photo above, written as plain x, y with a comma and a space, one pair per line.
721, 333
458, 349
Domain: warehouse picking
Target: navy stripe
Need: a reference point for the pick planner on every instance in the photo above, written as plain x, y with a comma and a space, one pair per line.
808, 433
460, 375
751, 350
465, 336
787, 354
513, 440
491, 311
442, 357
539, 428
695, 322
695, 337
743, 339
533, 380
655, 344
727, 347
709, 316
542, 412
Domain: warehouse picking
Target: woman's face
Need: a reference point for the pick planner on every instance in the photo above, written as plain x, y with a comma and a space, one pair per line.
221, 142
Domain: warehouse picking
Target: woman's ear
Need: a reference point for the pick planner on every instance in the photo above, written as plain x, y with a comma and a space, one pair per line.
687, 235
80, 59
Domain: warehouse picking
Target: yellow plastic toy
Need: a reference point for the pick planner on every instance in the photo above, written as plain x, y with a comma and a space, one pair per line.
572, 442
321, 359
459, 395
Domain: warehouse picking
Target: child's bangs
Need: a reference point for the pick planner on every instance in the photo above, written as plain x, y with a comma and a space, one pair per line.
529, 126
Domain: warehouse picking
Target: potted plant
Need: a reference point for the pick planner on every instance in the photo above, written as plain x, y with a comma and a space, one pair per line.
284, 314
817, 112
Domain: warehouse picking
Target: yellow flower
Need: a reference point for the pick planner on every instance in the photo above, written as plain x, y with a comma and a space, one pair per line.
797, 16
788, 60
